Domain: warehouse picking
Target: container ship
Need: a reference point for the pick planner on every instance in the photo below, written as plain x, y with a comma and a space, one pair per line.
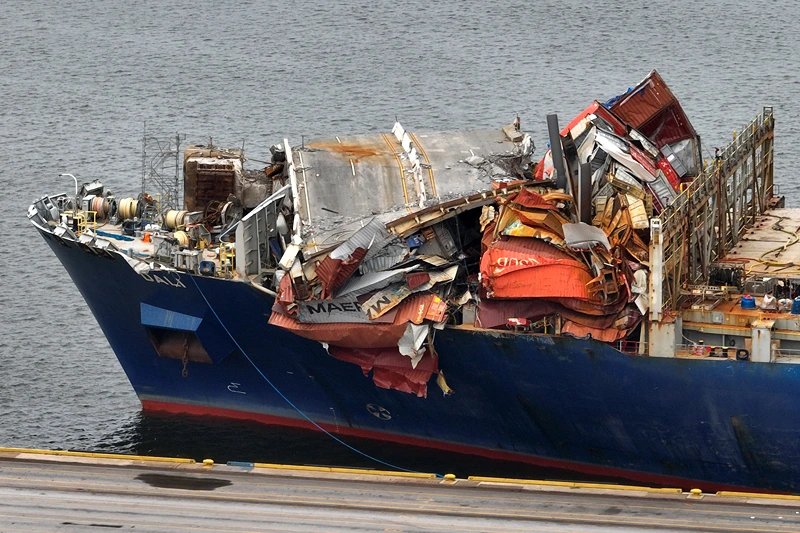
618, 307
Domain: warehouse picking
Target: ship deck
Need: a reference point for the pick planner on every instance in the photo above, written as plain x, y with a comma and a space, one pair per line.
132, 245
47, 491
772, 246
141, 246
769, 258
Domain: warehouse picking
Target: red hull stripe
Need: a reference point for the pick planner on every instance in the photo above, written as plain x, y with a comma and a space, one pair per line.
640, 477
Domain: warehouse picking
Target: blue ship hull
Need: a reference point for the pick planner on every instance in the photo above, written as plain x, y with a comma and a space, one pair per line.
550, 401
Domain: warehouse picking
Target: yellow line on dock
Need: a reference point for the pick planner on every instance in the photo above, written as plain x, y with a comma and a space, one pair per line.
733, 494
93, 455
573, 485
337, 470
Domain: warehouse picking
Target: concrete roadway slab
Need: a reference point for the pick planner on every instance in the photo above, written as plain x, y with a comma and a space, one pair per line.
348, 178
446, 153
62, 495
341, 179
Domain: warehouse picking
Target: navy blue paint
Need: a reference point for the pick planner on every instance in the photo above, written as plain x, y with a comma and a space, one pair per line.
164, 318
558, 398
281, 394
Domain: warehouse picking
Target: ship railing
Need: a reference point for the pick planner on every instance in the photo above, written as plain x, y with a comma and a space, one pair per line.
786, 353
705, 350
630, 347
684, 350
227, 258
85, 219
714, 211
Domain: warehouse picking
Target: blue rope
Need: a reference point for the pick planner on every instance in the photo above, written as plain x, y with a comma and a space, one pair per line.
328, 433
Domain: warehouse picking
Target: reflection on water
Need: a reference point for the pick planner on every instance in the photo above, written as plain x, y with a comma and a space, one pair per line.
223, 440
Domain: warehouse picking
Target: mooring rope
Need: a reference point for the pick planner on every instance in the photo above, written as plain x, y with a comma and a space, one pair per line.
287, 400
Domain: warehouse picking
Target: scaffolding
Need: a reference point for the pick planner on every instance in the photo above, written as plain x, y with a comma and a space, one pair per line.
161, 169
710, 216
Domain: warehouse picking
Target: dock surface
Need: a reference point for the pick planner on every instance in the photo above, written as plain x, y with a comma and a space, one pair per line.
42, 491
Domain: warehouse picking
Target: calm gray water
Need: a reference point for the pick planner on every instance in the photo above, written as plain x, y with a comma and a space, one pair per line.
79, 79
